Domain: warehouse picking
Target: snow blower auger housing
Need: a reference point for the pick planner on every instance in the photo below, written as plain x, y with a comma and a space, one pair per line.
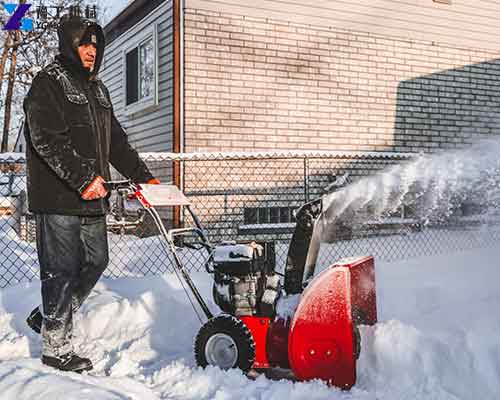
321, 339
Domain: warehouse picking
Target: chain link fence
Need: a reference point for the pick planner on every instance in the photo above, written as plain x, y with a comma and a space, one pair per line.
244, 197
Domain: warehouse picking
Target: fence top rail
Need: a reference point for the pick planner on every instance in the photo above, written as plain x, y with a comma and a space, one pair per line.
12, 158
243, 155
291, 154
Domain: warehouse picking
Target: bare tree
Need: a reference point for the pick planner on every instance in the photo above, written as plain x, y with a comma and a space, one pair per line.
3, 59
24, 54
8, 97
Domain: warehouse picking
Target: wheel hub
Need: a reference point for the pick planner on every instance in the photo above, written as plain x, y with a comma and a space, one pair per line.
221, 351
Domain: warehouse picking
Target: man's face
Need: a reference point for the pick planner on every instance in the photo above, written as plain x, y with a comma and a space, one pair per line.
87, 53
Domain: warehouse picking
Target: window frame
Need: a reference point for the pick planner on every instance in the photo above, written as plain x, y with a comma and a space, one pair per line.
135, 43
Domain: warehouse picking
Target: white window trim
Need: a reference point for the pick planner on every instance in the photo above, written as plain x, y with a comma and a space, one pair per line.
151, 101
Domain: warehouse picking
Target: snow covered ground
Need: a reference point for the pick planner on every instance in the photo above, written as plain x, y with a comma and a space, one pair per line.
438, 338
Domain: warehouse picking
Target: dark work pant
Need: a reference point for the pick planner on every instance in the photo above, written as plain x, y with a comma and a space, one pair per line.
73, 253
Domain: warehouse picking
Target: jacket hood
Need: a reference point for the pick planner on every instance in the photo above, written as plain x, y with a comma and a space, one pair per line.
70, 32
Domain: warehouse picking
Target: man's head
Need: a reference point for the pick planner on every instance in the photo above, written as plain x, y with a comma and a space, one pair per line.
81, 43
87, 49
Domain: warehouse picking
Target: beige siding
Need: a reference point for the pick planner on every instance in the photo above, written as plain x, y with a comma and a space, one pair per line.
464, 23
258, 84
151, 129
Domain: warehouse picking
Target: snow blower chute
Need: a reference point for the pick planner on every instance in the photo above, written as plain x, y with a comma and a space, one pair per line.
321, 339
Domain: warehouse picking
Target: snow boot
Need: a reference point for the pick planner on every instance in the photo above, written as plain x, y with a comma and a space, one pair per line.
68, 362
35, 319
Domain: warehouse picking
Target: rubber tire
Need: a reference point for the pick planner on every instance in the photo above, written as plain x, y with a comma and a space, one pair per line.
233, 327
224, 305
358, 318
357, 342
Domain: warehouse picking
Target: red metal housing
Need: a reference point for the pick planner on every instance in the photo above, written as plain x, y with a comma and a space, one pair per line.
321, 342
259, 327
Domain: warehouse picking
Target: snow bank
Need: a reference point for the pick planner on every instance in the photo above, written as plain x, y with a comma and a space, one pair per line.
438, 338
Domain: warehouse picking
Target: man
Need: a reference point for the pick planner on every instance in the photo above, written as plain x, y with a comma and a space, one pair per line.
72, 135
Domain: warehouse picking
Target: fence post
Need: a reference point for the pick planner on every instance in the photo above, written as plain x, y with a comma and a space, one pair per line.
306, 179
177, 170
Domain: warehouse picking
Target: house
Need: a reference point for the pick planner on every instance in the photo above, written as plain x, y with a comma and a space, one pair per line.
206, 75
231, 75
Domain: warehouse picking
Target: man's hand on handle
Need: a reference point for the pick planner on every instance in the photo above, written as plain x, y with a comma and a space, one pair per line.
95, 190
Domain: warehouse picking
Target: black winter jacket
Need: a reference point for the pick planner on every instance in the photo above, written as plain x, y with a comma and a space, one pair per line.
71, 131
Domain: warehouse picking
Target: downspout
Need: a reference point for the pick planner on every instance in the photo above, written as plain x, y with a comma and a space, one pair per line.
181, 100
181, 72
178, 139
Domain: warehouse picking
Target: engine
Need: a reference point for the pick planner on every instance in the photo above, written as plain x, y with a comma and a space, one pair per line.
245, 281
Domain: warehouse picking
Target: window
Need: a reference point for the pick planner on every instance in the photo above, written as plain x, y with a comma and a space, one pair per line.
141, 72
132, 77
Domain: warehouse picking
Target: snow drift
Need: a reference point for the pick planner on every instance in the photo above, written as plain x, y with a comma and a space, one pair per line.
437, 339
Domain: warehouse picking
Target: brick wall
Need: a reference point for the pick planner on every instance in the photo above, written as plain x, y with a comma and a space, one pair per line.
257, 84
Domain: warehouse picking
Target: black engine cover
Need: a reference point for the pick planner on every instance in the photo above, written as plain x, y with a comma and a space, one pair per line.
245, 279
240, 259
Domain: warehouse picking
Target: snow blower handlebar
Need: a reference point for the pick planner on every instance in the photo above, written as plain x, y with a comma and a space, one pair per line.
124, 185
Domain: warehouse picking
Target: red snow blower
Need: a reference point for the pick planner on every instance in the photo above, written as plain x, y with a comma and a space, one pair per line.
320, 340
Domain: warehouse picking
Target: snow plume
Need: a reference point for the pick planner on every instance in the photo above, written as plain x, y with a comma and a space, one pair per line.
434, 186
